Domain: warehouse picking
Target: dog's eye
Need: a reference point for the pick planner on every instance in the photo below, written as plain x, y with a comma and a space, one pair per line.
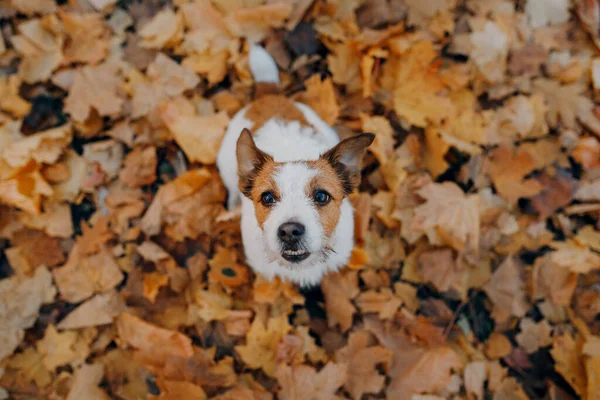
267, 198
322, 197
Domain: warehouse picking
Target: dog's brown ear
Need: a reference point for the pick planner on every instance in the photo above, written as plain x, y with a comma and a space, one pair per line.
250, 160
346, 159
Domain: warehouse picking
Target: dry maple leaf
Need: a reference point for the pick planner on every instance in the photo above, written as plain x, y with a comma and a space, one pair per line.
383, 145
508, 171
165, 79
552, 281
475, 377
253, 23
448, 216
385, 303
566, 352
20, 300
543, 12
95, 88
85, 383
567, 105
534, 335
440, 267
83, 275
139, 167
302, 382
574, 257
198, 136
40, 47
208, 30
61, 348
87, 37
260, 350
414, 369
154, 344
339, 289
417, 97
320, 96
10, 100
98, 310
506, 290
17, 150
344, 66
164, 30
362, 359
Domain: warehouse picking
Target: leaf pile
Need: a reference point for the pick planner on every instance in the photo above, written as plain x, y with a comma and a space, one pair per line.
477, 260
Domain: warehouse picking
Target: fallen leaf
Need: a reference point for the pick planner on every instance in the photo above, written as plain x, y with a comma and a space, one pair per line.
164, 30
362, 359
154, 344
542, 13
139, 167
40, 47
199, 137
508, 172
448, 216
320, 95
20, 300
83, 275
418, 87
506, 290
87, 37
475, 377
339, 289
98, 310
165, 79
262, 340
86, 381
303, 382
534, 335
566, 353
95, 88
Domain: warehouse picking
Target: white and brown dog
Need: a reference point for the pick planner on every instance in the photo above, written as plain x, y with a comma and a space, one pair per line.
293, 176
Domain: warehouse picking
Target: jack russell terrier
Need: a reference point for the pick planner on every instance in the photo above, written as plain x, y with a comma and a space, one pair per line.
292, 175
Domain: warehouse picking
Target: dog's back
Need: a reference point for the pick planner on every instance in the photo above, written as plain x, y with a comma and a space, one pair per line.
282, 128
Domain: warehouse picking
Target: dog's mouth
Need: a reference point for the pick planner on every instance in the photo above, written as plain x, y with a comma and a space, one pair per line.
295, 256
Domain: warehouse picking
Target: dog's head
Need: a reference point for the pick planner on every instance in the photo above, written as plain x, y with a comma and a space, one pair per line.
298, 204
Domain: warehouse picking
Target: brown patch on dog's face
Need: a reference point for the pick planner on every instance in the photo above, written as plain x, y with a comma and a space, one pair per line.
274, 106
327, 179
264, 183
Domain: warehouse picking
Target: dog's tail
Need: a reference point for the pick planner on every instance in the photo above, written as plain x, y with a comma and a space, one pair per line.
262, 65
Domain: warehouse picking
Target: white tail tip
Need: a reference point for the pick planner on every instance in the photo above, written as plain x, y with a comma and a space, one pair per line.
262, 65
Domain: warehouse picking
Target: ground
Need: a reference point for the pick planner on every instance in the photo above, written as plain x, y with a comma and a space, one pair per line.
476, 266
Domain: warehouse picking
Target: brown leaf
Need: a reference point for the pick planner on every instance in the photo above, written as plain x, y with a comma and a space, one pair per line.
98, 310
302, 382
95, 88
566, 352
508, 171
339, 289
139, 167
199, 144
320, 96
86, 381
362, 359
154, 344
507, 291
83, 275
20, 300
88, 39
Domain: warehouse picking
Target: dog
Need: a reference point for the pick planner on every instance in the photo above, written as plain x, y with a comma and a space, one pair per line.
293, 176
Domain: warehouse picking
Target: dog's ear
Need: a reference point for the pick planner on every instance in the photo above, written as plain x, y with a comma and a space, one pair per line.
250, 160
346, 159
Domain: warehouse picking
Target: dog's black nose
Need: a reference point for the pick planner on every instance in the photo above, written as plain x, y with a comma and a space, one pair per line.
291, 232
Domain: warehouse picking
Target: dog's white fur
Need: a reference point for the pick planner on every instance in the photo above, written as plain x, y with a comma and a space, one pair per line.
286, 142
